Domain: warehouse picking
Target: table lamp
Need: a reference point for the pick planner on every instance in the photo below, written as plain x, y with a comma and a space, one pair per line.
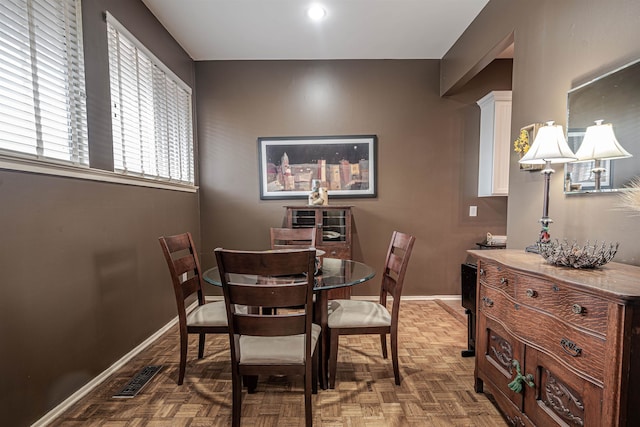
549, 146
600, 143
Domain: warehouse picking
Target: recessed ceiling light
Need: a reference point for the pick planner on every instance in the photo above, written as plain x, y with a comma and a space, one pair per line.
316, 12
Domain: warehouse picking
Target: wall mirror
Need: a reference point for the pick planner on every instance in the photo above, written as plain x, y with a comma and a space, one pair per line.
613, 98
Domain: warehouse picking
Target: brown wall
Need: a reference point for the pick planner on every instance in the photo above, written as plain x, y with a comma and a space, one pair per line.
558, 45
83, 277
427, 152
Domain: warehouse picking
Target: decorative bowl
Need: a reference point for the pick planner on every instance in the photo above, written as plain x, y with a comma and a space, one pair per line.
573, 255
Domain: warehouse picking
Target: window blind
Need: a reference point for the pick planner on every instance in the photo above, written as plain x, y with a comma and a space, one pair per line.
42, 89
151, 112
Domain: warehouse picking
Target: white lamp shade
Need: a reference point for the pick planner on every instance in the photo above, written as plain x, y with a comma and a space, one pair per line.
549, 146
600, 143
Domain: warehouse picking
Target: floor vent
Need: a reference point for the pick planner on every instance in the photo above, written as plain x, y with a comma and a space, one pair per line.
136, 384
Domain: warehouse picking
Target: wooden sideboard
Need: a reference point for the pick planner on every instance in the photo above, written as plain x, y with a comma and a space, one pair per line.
556, 345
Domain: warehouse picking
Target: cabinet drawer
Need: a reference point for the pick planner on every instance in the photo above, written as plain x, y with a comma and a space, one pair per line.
495, 304
494, 274
574, 307
582, 351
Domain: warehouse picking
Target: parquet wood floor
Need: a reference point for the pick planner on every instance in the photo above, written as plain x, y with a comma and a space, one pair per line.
436, 389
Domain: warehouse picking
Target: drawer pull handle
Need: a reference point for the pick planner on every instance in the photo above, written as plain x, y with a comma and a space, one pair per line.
577, 309
531, 293
504, 281
555, 288
487, 301
570, 347
482, 272
520, 380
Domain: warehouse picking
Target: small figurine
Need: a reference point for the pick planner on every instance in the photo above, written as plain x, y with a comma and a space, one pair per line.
318, 195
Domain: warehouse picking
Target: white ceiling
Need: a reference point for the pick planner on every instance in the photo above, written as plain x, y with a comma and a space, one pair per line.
280, 29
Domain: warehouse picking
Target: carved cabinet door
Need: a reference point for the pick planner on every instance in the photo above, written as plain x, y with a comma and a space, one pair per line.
496, 352
559, 396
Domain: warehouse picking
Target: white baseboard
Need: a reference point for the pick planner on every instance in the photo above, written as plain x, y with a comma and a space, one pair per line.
377, 297
410, 297
95, 382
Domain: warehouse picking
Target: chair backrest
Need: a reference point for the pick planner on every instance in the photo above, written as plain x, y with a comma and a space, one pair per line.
395, 268
289, 238
282, 279
184, 266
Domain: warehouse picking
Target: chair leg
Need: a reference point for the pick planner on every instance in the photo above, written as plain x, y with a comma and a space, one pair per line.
323, 355
201, 345
308, 416
383, 343
236, 409
314, 372
333, 357
184, 341
394, 356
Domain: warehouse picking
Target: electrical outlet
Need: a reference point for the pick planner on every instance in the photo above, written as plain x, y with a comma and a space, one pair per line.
473, 211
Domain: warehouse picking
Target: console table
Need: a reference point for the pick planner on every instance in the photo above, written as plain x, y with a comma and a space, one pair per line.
556, 345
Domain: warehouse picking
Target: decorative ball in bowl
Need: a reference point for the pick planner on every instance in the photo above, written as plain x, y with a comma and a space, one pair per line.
578, 256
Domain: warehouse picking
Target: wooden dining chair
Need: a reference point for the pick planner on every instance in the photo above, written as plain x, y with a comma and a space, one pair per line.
276, 344
353, 317
186, 275
289, 238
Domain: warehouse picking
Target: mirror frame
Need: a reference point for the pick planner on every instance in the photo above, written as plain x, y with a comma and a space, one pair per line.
574, 134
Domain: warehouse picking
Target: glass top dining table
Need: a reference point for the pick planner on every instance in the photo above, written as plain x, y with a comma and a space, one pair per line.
334, 273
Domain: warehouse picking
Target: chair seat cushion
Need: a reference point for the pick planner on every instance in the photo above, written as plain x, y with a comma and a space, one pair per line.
209, 314
348, 313
275, 350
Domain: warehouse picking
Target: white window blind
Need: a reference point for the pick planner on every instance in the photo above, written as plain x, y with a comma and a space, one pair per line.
42, 95
151, 112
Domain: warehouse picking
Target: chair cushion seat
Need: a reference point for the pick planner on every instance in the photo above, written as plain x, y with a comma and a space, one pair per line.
209, 314
350, 313
258, 350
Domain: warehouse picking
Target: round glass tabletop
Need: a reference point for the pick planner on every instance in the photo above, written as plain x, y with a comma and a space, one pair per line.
335, 273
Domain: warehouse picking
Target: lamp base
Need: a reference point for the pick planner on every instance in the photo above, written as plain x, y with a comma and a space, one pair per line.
544, 236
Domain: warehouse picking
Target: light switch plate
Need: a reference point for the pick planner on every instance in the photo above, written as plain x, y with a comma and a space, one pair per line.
473, 211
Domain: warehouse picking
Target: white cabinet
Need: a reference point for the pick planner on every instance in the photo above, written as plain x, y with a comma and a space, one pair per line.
495, 143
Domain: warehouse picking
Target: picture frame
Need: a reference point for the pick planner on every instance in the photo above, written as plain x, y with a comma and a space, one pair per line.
344, 164
531, 131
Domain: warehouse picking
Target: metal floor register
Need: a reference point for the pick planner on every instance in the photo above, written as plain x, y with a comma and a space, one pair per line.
136, 384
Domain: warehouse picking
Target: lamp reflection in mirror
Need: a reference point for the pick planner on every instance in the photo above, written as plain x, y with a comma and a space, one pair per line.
600, 143
549, 146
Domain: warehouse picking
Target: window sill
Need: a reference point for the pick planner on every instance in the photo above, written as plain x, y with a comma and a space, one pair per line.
80, 172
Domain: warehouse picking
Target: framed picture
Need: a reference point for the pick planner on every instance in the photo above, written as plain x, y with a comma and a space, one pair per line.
525, 141
345, 165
